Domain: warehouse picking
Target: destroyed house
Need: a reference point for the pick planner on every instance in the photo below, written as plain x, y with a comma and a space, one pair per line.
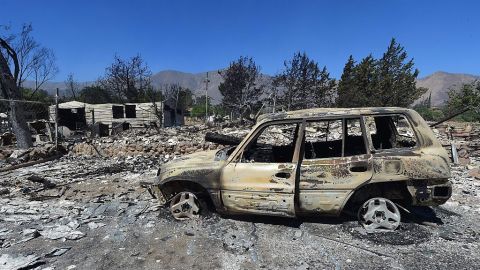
79, 115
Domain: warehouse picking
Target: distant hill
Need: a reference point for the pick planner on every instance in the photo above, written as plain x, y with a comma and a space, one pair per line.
193, 81
196, 81
440, 82
51, 87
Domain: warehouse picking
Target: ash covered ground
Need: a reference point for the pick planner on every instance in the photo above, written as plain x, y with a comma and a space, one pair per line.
87, 210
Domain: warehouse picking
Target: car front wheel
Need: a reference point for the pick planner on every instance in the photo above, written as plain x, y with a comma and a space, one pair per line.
185, 205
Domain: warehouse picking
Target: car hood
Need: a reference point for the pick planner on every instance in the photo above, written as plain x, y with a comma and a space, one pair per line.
199, 166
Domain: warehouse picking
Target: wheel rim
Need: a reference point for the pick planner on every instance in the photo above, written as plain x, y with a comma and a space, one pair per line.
379, 214
184, 206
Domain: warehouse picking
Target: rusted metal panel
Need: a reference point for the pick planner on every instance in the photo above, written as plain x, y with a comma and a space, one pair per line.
334, 173
268, 186
266, 203
317, 201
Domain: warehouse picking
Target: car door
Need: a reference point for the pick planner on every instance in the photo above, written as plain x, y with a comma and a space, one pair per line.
336, 160
260, 177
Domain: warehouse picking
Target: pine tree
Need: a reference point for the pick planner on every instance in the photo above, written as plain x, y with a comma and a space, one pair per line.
346, 84
389, 81
396, 78
323, 90
365, 83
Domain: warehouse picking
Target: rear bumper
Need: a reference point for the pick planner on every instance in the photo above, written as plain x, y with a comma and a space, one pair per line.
428, 194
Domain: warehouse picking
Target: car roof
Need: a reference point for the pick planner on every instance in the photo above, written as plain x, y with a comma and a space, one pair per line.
327, 112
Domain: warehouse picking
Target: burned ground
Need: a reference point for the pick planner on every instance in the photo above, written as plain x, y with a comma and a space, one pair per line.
94, 215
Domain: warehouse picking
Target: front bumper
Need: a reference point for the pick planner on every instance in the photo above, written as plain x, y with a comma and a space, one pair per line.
154, 191
426, 193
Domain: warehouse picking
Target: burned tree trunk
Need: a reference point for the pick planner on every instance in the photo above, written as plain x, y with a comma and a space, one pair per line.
11, 91
19, 125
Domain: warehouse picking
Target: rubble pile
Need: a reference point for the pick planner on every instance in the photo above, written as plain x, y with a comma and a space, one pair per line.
465, 137
164, 143
11, 156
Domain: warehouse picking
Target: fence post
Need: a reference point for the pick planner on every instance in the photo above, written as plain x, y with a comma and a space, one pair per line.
92, 134
56, 120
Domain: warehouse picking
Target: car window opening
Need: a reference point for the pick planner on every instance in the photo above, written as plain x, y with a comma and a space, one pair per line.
354, 139
274, 144
324, 139
391, 131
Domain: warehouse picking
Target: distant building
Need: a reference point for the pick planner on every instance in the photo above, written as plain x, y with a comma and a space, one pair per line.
78, 115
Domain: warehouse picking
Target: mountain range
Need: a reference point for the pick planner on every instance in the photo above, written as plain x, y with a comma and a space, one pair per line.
437, 83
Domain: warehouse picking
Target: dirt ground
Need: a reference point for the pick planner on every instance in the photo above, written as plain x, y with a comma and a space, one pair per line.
98, 217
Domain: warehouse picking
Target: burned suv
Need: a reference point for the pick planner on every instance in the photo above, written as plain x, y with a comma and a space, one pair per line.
315, 162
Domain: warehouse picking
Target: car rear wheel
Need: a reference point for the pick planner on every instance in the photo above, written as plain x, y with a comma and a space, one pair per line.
185, 205
379, 214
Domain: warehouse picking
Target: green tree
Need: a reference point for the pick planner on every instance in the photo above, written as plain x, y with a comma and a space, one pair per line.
358, 83
345, 87
96, 94
219, 110
39, 95
199, 106
241, 89
396, 78
425, 109
429, 114
181, 96
364, 83
37, 110
466, 96
155, 95
388, 81
305, 84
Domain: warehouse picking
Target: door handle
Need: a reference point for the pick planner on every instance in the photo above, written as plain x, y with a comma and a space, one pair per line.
359, 167
282, 175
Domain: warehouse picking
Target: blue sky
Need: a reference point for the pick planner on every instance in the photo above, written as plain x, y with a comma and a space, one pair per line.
196, 36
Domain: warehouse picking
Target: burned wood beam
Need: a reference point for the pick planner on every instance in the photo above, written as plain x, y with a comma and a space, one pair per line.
41, 180
26, 164
449, 117
221, 139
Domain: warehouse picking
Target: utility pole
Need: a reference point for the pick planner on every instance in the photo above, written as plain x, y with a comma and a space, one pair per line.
56, 120
206, 99
176, 105
274, 100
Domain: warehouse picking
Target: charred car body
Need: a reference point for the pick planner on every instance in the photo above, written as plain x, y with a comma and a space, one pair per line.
315, 162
